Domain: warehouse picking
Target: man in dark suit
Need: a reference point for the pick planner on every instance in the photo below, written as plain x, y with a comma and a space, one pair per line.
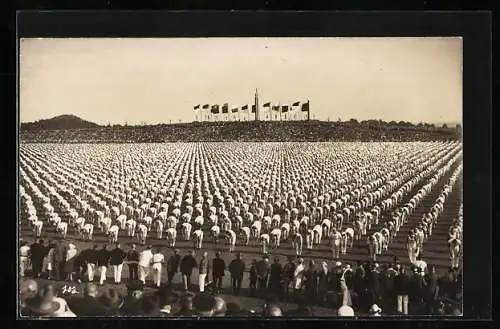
59, 260
133, 263
263, 269
173, 265
287, 276
103, 257
187, 264
275, 277
117, 256
323, 274
236, 269
311, 282
38, 252
432, 290
373, 285
218, 268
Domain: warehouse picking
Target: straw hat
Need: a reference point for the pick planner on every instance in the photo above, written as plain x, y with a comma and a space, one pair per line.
345, 310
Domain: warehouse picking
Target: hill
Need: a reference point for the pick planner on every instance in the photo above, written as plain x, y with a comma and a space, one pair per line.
65, 121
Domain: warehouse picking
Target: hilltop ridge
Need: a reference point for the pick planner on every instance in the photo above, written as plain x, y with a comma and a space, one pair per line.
65, 121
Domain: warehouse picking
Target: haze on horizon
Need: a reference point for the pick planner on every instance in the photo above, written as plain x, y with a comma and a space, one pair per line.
117, 80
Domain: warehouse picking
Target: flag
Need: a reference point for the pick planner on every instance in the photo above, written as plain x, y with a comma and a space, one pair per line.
284, 108
215, 109
254, 108
206, 106
197, 107
305, 107
225, 108
244, 107
296, 104
234, 110
268, 104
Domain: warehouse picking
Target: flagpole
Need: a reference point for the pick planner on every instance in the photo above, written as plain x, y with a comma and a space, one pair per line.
308, 111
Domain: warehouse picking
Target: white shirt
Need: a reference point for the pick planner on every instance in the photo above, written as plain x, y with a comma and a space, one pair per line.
299, 275
24, 251
158, 258
421, 265
145, 258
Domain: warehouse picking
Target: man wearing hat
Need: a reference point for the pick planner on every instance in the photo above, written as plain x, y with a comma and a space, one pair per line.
323, 275
237, 269
275, 275
218, 268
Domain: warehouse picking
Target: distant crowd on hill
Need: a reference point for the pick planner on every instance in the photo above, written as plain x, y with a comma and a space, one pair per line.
245, 131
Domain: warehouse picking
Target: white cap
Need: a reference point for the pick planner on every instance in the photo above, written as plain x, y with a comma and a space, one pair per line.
338, 264
345, 310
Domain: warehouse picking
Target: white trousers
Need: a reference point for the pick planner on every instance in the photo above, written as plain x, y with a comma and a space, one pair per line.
201, 281
23, 265
103, 274
157, 274
91, 271
117, 272
143, 273
402, 301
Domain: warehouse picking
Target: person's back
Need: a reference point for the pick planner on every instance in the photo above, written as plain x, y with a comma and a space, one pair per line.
87, 305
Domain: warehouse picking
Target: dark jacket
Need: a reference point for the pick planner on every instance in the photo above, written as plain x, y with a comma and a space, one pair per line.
92, 256
237, 268
372, 280
103, 257
59, 254
401, 284
218, 267
275, 272
85, 306
37, 252
311, 277
253, 273
288, 270
432, 284
117, 256
323, 280
133, 256
173, 263
188, 263
334, 281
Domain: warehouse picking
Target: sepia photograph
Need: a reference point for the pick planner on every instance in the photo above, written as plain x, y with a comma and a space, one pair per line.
264, 177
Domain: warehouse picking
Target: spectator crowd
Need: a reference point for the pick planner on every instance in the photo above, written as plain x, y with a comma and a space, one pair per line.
347, 289
252, 131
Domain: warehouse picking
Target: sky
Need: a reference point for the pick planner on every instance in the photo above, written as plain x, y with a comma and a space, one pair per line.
155, 80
